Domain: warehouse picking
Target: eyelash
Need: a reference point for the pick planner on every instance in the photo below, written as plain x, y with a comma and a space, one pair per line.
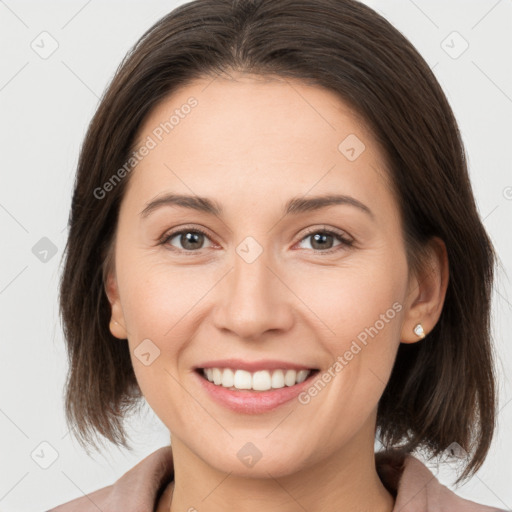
345, 242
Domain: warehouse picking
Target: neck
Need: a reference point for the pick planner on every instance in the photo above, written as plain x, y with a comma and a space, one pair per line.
344, 481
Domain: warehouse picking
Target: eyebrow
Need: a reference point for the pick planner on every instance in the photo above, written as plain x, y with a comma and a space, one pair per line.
294, 206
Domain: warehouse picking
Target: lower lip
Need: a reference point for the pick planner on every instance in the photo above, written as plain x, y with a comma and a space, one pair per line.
253, 402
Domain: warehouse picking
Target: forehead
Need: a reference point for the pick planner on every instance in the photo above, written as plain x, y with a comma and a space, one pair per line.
260, 135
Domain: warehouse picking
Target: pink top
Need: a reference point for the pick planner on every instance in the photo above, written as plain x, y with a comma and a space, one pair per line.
144, 488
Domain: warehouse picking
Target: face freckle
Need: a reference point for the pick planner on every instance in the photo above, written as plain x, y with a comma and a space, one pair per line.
260, 286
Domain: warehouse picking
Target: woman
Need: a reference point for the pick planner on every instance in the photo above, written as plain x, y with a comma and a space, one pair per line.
273, 240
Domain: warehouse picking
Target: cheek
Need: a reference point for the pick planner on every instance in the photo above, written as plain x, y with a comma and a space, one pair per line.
159, 303
350, 300
360, 309
159, 299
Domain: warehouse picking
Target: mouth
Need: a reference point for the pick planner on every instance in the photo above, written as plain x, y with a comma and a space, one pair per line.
236, 379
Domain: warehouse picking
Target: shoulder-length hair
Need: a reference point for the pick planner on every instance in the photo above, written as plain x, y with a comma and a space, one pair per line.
442, 389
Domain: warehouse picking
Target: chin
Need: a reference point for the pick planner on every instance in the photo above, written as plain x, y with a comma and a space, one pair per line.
251, 462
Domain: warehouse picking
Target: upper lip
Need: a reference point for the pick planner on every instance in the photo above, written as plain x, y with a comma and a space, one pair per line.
252, 366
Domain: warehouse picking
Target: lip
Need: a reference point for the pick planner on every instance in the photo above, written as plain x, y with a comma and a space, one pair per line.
253, 366
252, 402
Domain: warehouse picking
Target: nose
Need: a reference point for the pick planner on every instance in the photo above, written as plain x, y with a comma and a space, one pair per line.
253, 299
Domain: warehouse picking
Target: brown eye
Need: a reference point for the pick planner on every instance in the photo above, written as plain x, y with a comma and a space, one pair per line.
323, 240
188, 239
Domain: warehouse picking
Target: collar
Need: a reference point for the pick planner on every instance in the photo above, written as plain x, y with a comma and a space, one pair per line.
144, 488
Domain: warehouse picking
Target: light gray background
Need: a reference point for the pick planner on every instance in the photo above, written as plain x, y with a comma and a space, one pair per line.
45, 107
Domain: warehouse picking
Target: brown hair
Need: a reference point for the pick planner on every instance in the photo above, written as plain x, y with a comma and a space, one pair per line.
442, 389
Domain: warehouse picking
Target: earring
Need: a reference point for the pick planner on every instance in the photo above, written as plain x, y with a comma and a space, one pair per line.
418, 330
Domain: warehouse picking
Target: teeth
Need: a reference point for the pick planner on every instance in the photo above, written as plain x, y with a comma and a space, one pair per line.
217, 376
302, 375
278, 379
228, 378
262, 380
242, 380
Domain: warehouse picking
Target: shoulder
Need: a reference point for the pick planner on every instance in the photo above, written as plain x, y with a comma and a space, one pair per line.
417, 489
139, 489
86, 503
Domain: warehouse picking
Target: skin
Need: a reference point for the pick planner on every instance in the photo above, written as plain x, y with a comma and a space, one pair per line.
251, 144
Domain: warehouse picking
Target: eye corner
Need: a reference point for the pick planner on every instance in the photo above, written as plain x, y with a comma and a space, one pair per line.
346, 240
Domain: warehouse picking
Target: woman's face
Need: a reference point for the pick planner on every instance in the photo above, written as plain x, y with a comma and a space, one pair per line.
279, 281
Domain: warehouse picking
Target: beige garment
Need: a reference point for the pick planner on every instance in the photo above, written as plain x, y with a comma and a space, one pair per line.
145, 488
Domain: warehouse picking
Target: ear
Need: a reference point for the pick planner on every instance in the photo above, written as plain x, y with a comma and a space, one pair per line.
117, 321
426, 292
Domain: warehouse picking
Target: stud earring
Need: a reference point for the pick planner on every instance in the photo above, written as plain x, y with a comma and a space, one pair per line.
418, 330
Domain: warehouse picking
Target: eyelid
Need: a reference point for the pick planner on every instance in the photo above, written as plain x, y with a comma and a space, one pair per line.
346, 240
327, 229
183, 229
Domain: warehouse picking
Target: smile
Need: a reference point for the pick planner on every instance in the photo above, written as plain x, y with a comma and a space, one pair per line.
262, 380
253, 390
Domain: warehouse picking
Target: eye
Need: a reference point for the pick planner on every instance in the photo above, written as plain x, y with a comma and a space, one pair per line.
322, 240
191, 239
